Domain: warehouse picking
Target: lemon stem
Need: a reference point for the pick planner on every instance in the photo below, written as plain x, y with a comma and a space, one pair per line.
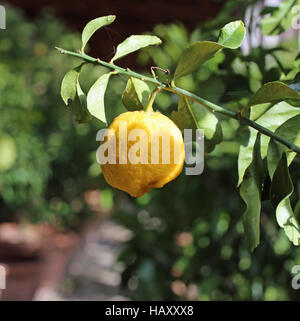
190, 109
152, 98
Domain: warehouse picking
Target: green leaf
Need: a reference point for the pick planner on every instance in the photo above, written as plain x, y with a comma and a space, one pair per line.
255, 76
184, 117
195, 55
70, 89
281, 190
246, 154
250, 191
255, 113
289, 130
285, 59
281, 183
271, 119
93, 26
68, 86
195, 116
281, 18
95, 98
232, 35
81, 112
273, 92
134, 43
136, 94
275, 151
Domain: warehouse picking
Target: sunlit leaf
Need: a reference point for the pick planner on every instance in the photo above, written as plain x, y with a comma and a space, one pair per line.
136, 94
93, 26
280, 192
68, 86
134, 43
255, 113
271, 119
250, 191
95, 98
232, 35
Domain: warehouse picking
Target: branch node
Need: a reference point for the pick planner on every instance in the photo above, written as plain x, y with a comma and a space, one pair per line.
62, 51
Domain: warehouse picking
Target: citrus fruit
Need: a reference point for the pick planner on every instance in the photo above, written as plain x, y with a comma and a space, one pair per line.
147, 152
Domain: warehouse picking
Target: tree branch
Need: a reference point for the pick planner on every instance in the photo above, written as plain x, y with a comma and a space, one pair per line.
181, 92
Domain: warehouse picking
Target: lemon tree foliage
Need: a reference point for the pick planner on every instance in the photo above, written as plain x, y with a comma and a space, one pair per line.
95, 98
134, 43
71, 91
271, 119
82, 114
93, 26
274, 92
231, 36
251, 190
291, 131
281, 18
191, 115
266, 118
136, 94
68, 86
36, 146
195, 55
281, 190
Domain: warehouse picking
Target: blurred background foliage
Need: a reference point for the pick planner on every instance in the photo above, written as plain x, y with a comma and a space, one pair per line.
187, 238
44, 158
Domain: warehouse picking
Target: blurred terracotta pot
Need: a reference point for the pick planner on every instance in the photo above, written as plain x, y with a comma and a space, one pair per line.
34, 258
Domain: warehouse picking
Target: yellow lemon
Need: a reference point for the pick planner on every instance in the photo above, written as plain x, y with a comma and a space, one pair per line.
141, 150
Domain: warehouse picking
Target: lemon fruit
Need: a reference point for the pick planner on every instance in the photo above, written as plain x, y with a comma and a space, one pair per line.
148, 151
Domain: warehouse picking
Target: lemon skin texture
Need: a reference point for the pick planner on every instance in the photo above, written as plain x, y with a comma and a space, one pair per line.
139, 178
